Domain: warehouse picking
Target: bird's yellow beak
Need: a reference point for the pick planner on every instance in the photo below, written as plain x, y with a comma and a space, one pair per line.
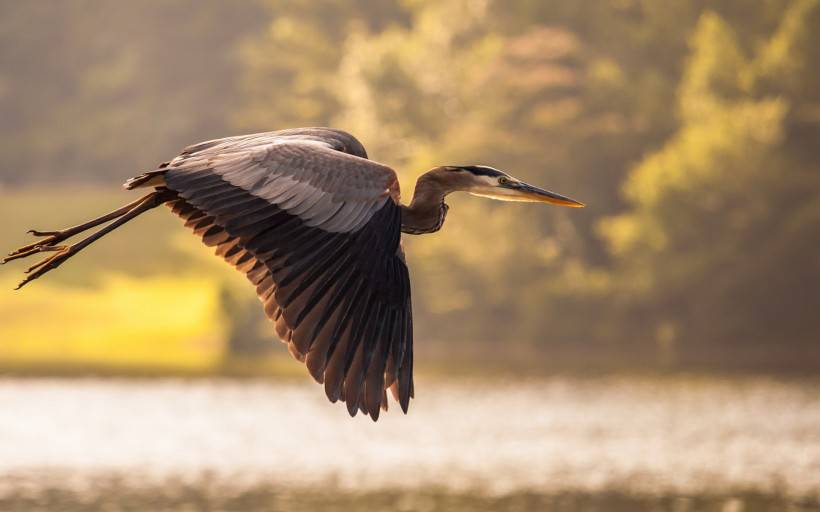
530, 193
514, 190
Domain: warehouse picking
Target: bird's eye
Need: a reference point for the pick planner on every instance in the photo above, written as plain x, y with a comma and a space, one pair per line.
503, 180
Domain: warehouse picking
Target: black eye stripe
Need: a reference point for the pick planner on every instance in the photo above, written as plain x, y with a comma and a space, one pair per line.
480, 170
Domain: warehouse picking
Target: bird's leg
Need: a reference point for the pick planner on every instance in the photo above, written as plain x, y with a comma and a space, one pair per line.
63, 252
54, 237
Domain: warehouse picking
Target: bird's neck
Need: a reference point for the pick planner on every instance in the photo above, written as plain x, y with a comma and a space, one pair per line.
427, 210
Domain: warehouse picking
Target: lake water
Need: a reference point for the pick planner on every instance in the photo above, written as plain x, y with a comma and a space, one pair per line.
675, 436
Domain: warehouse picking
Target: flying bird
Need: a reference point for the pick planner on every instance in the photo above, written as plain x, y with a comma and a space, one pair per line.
316, 227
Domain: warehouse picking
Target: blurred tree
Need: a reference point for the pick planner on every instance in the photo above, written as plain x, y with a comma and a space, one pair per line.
719, 244
289, 70
248, 335
95, 91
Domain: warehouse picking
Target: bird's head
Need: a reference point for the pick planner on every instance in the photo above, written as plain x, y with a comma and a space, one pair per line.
483, 181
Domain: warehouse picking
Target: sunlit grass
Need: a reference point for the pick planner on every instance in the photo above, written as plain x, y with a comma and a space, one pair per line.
160, 322
129, 303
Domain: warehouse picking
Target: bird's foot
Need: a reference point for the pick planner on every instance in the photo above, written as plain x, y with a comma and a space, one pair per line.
52, 239
39, 269
49, 243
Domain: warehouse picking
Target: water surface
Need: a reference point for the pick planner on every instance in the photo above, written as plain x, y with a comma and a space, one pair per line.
679, 436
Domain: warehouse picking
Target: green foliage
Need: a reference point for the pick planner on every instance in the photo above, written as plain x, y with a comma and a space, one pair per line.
722, 220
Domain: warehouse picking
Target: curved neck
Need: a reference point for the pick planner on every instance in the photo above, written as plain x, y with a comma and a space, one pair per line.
426, 212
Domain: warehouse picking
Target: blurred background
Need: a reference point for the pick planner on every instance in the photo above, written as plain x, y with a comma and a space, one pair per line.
657, 350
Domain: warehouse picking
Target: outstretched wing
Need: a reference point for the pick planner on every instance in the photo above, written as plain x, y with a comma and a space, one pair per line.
317, 229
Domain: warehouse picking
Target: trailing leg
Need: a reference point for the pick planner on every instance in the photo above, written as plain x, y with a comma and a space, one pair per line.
64, 252
55, 237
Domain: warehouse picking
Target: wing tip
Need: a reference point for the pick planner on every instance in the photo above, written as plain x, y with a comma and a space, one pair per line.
352, 408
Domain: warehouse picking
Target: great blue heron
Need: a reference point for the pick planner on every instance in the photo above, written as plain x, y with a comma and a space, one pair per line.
316, 227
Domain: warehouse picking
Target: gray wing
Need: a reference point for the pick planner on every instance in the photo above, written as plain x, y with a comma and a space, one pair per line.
317, 230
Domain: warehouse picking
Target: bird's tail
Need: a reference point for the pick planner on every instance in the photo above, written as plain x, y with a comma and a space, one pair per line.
155, 178
52, 239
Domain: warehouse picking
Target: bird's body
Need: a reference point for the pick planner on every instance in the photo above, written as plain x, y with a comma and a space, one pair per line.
316, 227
